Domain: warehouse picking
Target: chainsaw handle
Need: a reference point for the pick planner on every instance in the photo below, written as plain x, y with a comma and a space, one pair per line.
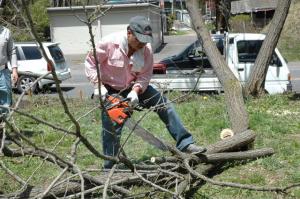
125, 99
111, 105
115, 97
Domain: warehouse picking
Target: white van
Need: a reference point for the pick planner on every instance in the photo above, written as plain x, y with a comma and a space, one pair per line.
30, 60
179, 72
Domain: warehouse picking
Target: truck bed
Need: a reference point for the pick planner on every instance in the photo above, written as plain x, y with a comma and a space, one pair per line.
207, 81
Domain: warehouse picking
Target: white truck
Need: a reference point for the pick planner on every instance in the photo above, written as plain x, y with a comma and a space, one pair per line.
180, 72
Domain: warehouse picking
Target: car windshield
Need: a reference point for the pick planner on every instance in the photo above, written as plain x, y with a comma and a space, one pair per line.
56, 53
185, 51
196, 45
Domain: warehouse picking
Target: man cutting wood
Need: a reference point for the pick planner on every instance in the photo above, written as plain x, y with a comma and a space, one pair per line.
125, 64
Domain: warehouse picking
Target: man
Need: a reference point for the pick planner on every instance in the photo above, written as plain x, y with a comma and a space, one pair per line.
7, 54
126, 64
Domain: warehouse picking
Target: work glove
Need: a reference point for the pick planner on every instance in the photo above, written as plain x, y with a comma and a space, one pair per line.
134, 99
103, 92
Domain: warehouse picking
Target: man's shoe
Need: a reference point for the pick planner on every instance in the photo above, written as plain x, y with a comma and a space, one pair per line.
194, 149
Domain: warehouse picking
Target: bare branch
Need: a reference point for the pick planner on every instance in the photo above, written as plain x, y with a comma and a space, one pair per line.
53, 126
154, 185
108, 181
230, 184
12, 174
53, 183
58, 88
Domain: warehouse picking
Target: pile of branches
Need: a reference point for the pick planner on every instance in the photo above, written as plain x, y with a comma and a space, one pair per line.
180, 175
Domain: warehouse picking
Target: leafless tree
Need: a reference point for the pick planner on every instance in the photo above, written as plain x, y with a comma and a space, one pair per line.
232, 87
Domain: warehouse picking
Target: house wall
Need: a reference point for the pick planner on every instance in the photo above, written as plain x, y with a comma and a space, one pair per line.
73, 35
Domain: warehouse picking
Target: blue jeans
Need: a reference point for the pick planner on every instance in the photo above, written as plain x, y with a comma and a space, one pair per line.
151, 97
5, 91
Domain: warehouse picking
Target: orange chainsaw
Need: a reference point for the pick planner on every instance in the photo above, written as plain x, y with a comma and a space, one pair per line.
118, 108
119, 111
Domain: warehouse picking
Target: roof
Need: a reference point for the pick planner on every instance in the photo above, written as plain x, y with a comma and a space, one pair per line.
246, 6
92, 7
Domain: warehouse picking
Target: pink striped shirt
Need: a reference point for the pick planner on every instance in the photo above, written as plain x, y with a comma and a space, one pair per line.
116, 69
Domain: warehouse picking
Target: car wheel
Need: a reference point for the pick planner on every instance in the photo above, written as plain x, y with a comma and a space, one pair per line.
24, 82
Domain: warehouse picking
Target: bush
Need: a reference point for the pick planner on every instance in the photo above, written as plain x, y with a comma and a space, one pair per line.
170, 21
241, 23
15, 23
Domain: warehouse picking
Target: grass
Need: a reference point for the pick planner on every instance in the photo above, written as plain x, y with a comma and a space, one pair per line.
289, 43
290, 48
275, 119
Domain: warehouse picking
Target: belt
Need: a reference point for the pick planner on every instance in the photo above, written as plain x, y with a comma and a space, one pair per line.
2, 67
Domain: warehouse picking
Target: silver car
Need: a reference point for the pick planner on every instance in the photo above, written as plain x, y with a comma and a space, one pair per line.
32, 64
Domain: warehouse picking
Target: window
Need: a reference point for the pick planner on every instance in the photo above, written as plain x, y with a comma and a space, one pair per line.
198, 50
248, 50
220, 45
56, 53
275, 61
31, 52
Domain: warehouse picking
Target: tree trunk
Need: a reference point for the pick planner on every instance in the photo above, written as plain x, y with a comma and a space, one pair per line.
233, 90
255, 83
219, 16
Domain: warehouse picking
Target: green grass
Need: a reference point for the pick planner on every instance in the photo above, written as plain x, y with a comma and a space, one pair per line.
290, 48
289, 43
275, 119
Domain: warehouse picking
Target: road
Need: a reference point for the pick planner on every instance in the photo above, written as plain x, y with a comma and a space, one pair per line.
79, 86
295, 75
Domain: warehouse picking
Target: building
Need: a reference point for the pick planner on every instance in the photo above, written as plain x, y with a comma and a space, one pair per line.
261, 11
210, 9
68, 29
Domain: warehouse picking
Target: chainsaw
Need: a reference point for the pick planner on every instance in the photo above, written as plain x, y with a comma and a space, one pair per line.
118, 108
120, 111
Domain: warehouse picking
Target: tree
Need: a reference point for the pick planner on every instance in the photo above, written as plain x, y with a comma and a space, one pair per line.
39, 15
255, 83
223, 14
232, 87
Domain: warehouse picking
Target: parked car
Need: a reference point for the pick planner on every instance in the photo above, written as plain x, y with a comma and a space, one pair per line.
30, 60
190, 58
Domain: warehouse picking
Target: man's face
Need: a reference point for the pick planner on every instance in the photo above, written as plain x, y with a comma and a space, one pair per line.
133, 42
